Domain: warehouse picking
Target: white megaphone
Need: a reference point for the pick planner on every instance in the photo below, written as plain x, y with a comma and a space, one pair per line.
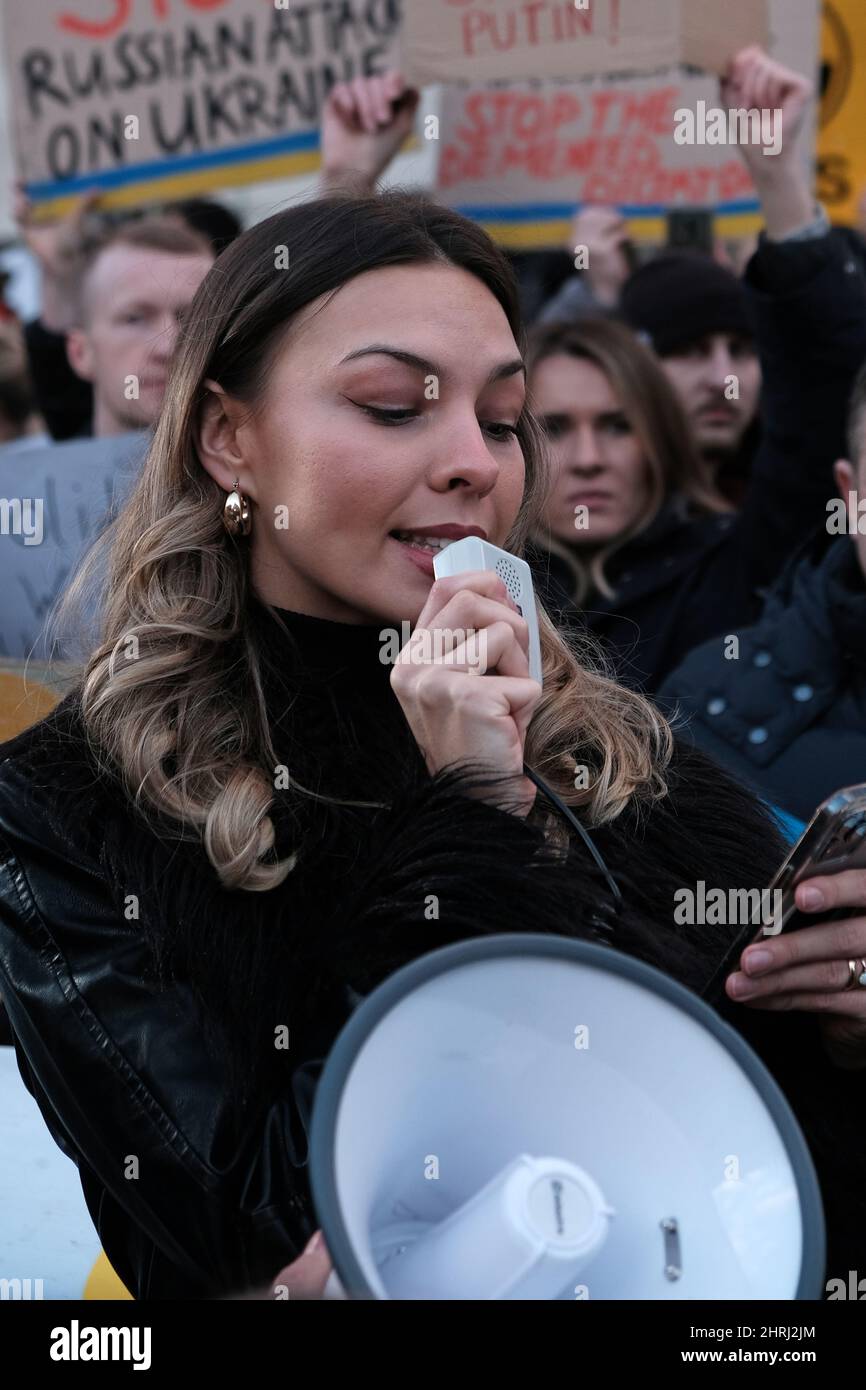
532, 1117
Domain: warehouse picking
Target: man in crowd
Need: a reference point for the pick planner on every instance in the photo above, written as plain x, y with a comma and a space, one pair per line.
134, 285
65, 399
135, 288
699, 319
782, 704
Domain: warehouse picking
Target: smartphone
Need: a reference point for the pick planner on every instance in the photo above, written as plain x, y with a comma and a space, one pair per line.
691, 229
834, 839
472, 553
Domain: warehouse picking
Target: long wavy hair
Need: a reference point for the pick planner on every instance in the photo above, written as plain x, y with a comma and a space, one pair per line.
650, 403
185, 723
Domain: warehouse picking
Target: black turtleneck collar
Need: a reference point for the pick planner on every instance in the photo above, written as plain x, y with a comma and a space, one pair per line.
322, 650
334, 716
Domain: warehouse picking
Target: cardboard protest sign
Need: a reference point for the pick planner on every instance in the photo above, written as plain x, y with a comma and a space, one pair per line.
164, 98
841, 148
484, 40
71, 490
521, 157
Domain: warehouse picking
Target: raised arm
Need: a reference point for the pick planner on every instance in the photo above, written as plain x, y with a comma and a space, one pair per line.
364, 124
809, 297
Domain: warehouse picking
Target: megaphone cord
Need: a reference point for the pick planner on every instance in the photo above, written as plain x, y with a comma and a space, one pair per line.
559, 805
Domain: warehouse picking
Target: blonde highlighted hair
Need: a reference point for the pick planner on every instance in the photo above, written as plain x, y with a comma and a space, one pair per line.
185, 723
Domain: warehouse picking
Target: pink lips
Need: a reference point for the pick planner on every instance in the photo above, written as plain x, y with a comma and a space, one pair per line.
449, 531
422, 559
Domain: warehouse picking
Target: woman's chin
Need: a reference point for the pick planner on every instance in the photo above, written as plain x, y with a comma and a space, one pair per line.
586, 540
396, 607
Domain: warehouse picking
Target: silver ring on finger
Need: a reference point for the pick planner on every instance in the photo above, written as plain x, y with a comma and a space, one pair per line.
856, 975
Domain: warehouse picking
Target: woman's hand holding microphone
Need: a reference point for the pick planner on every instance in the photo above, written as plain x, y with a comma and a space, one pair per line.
468, 627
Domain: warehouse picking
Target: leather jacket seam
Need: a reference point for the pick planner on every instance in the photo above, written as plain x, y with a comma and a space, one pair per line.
55, 961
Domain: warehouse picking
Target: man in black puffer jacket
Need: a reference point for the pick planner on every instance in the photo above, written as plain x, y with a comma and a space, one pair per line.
782, 704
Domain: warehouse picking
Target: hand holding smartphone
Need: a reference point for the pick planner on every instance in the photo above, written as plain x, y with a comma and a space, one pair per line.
834, 840
820, 971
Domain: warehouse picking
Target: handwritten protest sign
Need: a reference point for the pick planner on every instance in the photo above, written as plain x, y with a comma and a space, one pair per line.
482, 40
163, 98
520, 157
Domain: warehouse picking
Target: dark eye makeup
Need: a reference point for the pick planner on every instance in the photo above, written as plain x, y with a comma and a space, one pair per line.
500, 430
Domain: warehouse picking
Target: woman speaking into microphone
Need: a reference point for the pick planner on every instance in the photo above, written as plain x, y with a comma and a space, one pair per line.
245, 815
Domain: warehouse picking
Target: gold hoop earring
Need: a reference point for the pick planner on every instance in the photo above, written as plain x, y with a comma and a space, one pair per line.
237, 517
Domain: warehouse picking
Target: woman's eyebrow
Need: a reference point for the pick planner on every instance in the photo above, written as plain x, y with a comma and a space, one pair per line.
422, 364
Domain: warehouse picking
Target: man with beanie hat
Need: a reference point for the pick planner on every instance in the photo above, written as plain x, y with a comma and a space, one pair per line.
699, 319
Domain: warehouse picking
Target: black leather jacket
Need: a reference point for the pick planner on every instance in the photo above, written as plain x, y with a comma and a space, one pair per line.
194, 1197
122, 1078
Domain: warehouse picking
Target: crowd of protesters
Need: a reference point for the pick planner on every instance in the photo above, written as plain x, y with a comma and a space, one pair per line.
699, 413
